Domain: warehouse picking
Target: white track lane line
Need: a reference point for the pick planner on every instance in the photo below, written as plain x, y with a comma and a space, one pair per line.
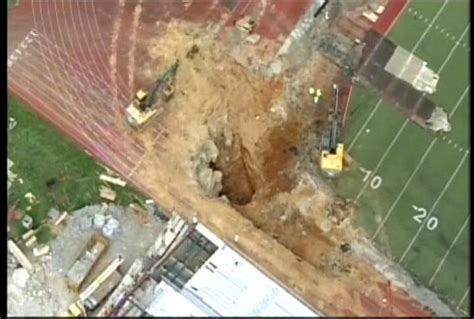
427, 151
441, 263
440, 10
387, 151
433, 207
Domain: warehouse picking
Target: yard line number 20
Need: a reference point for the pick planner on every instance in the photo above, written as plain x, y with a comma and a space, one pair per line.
375, 180
431, 223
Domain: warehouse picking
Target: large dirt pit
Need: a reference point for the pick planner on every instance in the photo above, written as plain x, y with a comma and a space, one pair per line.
250, 138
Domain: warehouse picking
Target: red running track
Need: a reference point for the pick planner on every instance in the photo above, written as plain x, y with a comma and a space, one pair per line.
72, 67
391, 14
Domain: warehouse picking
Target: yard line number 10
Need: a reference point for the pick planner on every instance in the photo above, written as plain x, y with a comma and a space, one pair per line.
375, 180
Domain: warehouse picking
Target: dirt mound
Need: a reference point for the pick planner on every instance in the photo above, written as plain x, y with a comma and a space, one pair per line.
257, 128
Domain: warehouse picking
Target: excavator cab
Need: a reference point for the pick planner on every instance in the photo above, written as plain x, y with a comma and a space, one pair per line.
332, 150
143, 107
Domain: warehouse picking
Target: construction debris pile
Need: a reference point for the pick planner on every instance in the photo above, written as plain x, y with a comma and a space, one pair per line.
39, 285
243, 139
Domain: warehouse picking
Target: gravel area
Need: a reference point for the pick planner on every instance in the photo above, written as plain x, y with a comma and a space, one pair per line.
44, 292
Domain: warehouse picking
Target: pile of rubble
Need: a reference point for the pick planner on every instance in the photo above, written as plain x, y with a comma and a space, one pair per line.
41, 288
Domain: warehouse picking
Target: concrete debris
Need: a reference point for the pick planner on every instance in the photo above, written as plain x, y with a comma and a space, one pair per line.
31, 241
439, 122
107, 193
41, 250
20, 277
210, 180
111, 227
275, 68
11, 176
99, 220
253, 38
112, 180
11, 123
53, 214
60, 219
28, 234
27, 222
32, 200
19, 255
86, 223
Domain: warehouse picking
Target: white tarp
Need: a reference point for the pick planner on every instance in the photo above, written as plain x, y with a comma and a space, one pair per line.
227, 285
170, 303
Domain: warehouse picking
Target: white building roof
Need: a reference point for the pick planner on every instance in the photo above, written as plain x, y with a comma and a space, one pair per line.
228, 285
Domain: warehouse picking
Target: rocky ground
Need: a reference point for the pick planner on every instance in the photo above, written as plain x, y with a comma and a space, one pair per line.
44, 292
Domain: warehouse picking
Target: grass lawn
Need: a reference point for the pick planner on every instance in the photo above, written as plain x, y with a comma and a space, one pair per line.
54, 169
411, 187
12, 3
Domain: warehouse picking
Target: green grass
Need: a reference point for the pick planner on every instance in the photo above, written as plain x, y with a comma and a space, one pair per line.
452, 208
12, 3
54, 169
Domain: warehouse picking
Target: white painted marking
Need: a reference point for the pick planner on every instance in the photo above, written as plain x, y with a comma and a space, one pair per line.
365, 124
463, 298
367, 131
443, 191
441, 263
444, 137
423, 157
450, 141
423, 35
453, 49
455, 145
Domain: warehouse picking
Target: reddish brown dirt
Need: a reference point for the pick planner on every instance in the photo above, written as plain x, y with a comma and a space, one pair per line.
76, 73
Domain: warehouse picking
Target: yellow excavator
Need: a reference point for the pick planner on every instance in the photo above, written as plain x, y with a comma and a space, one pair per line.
143, 107
332, 149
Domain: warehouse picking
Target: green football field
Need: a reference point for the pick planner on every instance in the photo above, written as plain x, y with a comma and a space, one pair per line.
412, 188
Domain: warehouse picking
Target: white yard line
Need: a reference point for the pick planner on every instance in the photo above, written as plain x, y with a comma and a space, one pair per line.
387, 151
433, 207
390, 210
441, 263
423, 35
455, 46
364, 125
427, 151
463, 297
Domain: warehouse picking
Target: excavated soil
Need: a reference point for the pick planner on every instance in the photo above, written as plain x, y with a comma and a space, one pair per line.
265, 130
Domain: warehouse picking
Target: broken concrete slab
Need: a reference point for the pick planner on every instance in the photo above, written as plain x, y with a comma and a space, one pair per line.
112, 180
20, 277
53, 214
108, 193
111, 227
19, 255
253, 38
